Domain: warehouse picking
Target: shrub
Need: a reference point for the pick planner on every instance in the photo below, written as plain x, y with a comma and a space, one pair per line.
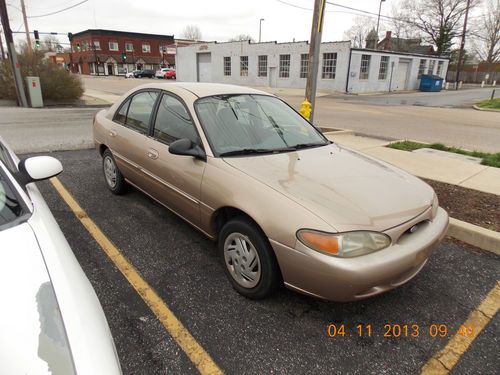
57, 83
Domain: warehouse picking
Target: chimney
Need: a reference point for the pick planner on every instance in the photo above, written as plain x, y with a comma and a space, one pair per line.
387, 42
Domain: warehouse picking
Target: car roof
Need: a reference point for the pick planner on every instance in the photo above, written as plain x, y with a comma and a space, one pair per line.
202, 89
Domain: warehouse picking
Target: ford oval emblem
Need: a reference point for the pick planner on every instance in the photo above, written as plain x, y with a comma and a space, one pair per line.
413, 229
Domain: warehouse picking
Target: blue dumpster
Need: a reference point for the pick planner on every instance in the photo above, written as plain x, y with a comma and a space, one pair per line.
431, 83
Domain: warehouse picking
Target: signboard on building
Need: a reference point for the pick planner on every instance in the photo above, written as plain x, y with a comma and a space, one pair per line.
171, 50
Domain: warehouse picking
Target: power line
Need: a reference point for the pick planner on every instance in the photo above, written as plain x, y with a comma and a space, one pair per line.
59, 11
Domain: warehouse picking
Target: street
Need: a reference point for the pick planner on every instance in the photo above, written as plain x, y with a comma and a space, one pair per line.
288, 333
460, 127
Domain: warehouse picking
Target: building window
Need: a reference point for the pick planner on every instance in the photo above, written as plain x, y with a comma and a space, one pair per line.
431, 66
129, 47
262, 68
284, 66
146, 48
421, 67
364, 70
85, 46
163, 49
304, 65
97, 45
329, 65
227, 66
244, 66
440, 68
113, 46
384, 64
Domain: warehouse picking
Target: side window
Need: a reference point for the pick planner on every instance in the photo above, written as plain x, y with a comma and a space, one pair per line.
139, 111
173, 121
121, 115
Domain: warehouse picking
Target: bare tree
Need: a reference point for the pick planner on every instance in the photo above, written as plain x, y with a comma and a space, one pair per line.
486, 33
242, 37
358, 32
400, 27
51, 43
439, 20
192, 32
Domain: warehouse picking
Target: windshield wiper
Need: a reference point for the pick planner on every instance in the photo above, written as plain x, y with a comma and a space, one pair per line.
307, 145
247, 151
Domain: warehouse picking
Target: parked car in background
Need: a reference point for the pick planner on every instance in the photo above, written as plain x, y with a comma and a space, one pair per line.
51, 320
285, 204
161, 73
131, 74
170, 74
144, 73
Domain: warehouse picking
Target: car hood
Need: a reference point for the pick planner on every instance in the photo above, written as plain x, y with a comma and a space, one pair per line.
33, 339
347, 189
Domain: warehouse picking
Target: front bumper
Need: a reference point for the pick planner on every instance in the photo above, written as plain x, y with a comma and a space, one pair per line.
347, 279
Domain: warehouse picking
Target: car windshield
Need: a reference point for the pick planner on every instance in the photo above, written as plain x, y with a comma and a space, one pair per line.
246, 124
11, 207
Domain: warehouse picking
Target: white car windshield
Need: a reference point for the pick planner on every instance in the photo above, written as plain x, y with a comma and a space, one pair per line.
246, 124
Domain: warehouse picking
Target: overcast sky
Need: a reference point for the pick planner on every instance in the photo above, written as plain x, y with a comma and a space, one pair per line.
217, 19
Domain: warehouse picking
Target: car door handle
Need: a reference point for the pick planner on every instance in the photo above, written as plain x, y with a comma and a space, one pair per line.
152, 154
112, 133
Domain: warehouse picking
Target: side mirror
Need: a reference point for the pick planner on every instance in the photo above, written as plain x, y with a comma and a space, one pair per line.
184, 146
39, 168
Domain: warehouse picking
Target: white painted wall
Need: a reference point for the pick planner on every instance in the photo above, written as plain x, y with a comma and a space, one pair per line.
373, 84
187, 67
186, 63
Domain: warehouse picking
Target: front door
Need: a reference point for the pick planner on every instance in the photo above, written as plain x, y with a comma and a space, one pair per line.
110, 69
179, 176
402, 80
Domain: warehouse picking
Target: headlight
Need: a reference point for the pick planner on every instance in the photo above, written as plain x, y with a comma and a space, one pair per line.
346, 245
435, 206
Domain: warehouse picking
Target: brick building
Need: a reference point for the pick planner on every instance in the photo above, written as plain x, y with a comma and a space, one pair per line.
109, 52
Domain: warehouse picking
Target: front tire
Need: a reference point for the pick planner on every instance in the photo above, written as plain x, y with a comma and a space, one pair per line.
112, 175
248, 259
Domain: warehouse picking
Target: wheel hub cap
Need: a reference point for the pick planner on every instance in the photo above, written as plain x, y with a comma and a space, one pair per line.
242, 260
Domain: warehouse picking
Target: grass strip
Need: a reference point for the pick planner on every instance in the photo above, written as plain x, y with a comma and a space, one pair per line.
492, 104
489, 159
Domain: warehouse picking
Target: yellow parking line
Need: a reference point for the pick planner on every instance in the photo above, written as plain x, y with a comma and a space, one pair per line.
444, 361
200, 358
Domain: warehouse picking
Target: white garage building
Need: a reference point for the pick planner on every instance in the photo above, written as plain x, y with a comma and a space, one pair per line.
341, 68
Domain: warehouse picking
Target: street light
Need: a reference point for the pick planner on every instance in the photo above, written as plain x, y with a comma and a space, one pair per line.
260, 28
378, 20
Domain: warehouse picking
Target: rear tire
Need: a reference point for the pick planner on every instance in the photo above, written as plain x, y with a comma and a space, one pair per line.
112, 175
248, 258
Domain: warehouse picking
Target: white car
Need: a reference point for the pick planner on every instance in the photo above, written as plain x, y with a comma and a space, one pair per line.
161, 73
51, 321
131, 74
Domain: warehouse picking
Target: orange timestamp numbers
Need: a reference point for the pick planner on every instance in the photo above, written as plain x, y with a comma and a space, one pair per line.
398, 330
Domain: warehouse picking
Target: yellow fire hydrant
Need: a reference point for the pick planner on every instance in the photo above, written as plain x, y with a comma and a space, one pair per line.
305, 109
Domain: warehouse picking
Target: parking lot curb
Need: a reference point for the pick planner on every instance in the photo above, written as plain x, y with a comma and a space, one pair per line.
474, 235
485, 109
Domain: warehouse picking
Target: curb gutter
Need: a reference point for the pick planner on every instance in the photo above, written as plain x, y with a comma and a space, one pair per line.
474, 235
485, 109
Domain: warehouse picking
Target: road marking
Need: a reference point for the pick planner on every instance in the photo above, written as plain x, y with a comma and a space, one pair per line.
200, 358
443, 361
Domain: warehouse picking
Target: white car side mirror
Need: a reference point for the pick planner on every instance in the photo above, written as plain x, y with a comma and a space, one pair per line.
39, 168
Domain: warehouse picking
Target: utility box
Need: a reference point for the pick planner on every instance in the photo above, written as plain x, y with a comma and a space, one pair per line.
431, 83
34, 91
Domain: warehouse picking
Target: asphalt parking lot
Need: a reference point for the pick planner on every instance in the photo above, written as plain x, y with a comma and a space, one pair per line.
286, 334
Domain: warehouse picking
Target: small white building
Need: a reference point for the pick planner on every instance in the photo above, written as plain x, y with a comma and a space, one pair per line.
341, 68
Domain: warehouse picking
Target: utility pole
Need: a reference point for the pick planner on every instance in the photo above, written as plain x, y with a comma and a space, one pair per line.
314, 47
28, 39
21, 96
378, 20
2, 56
462, 45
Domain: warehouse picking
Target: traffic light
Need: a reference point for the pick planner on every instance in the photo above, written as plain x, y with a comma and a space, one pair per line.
37, 38
78, 47
124, 56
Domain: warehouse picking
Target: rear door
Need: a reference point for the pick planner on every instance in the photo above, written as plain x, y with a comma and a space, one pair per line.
177, 178
128, 135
